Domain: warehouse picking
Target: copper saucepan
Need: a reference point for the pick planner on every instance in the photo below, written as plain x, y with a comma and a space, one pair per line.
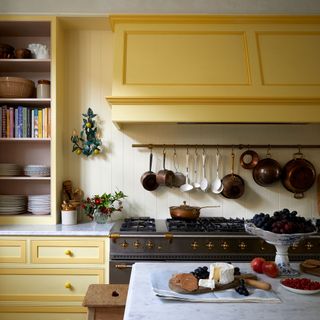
187, 212
298, 175
233, 184
267, 171
149, 178
165, 177
249, 159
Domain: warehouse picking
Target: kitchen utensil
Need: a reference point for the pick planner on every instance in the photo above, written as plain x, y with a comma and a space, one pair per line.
165, 177
298, 175
233, 184
187, 212
267, 171
149, 178
187, 186
196, 183
204, 182
179, 178
217, 186
249, 159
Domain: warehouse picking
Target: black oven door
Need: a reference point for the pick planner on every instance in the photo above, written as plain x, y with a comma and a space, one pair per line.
120, 271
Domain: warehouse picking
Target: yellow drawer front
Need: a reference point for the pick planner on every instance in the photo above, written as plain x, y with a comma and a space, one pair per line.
12, 251
47, 251
47, 284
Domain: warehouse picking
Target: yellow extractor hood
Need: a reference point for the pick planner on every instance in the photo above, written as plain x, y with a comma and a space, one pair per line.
216, 69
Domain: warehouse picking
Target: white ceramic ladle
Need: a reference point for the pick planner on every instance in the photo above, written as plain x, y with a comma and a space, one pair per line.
217, 186
187, 186
204, 182
196, 183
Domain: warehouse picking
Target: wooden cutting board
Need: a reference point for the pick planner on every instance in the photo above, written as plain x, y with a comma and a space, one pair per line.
233, 284
311, 269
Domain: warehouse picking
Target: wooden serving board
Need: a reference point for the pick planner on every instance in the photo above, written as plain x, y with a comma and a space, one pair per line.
314, 271
230, 285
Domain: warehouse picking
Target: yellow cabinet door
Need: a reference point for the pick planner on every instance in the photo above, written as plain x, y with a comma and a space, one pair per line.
12, 251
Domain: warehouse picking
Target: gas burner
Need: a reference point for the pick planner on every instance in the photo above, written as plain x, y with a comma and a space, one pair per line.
212, 224
141, 224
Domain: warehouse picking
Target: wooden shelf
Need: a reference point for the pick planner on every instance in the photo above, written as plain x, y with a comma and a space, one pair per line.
25, 65
25, 139
25, 178
26, 101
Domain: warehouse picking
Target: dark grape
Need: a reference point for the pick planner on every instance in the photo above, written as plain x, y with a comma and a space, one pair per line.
201, 273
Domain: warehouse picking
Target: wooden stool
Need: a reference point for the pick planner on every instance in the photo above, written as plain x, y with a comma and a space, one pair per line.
106, 301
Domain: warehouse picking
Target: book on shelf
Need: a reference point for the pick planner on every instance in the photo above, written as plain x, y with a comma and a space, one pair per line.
40, 123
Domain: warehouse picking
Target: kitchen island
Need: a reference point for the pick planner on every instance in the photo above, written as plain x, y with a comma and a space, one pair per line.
142, 303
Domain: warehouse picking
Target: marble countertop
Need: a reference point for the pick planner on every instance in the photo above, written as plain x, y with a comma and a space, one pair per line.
142, 303
81, 229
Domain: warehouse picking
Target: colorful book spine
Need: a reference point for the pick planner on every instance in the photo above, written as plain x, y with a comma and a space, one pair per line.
11, 125
45, 123
49, 123
20, 121
8, 123
4, 121
32, 123
40, 121
36, 130
24, 122
28, 122
0, 122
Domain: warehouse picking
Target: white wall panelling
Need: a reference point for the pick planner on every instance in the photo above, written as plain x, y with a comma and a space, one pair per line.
88, 76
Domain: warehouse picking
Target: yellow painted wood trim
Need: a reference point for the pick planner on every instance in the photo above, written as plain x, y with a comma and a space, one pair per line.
207, 100
38, 297
209, 19
54, 309
85, 23
14, 243
35, 244
26, 18
17, 271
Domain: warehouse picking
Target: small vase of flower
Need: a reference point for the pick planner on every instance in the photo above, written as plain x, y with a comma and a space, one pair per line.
100, 207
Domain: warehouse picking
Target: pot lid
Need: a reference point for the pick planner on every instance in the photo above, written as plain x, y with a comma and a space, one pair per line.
184, 206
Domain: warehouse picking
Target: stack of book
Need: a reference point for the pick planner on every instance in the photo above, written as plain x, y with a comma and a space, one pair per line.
25, 122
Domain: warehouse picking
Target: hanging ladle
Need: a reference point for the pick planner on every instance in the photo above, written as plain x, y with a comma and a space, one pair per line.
217, 186
204, 182
187, 186
196, 183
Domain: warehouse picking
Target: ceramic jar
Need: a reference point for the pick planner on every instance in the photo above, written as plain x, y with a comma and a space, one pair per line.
43, 89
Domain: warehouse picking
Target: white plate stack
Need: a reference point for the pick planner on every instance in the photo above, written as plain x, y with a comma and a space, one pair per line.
13, 204
39, 204
10, 169
36, 171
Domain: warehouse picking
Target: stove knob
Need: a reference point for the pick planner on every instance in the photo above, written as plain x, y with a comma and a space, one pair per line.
194, 245
242, 245
210, 245
136, 244
309, 245
262, 245
124, 244
149, 244
225, 245
294, 246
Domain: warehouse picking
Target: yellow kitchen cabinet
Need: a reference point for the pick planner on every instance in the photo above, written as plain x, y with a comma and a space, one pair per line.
215, 69
47, 277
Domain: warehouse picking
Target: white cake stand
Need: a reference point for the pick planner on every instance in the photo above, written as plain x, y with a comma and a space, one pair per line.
282, 242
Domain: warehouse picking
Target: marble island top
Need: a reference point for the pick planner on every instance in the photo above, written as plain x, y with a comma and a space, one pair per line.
142, 303
81, 229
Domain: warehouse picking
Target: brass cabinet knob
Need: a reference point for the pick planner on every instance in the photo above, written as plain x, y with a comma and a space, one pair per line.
242, 245
124, 244
194, 245
68, 253
149, 244
136, 244
225, 245
309, 245
68, 285
210, 245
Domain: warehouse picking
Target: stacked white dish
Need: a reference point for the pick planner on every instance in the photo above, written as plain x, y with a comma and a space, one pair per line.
36, 171
10, 169
39, 204
13, 204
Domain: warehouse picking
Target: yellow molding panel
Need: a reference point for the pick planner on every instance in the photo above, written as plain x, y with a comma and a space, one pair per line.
12, 251
18, 309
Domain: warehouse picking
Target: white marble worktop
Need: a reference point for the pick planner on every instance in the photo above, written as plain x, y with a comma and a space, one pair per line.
81, 229
142, 303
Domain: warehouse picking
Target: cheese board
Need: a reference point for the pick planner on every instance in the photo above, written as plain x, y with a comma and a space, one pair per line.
235, 283
311, 266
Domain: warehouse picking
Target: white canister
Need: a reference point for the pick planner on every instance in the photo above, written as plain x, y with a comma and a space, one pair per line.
43, 89
69, 217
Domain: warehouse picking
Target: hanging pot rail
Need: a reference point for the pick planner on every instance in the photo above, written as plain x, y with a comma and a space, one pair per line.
235, 146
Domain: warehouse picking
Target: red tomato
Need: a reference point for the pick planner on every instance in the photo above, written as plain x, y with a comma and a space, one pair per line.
97, 201
270, 269
256, 264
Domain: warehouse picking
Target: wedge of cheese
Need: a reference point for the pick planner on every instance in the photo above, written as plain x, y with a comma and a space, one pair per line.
221, 273
207, 283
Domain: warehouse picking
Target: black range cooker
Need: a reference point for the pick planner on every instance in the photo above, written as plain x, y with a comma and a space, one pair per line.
204, 239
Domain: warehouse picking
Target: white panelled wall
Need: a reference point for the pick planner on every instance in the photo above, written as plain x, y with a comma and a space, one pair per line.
88, 80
